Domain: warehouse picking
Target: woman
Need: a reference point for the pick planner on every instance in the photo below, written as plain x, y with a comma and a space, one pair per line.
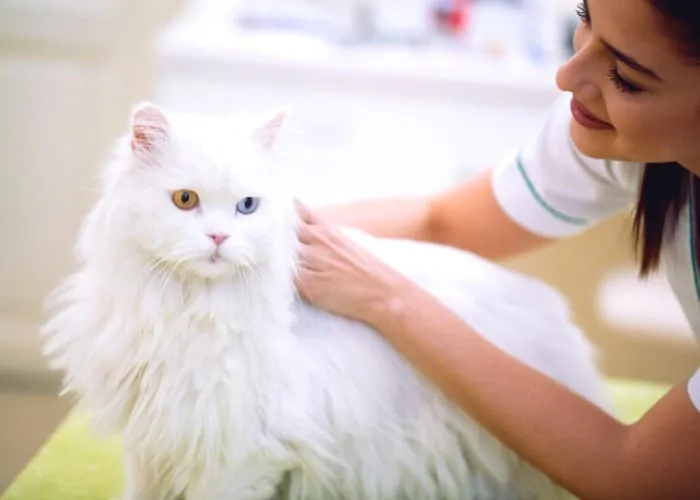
630, 134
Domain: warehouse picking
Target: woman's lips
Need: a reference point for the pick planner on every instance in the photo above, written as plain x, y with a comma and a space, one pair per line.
587, 119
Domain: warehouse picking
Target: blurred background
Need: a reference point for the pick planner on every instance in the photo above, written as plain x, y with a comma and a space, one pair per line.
396, 97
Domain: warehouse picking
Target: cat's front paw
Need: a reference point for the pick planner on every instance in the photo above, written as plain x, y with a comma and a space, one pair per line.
264, 489
144, 482
244, 485
144, 496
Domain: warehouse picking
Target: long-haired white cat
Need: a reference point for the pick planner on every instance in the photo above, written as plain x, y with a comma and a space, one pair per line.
182, 331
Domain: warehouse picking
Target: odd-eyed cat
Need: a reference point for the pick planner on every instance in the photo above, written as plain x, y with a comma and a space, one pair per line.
181, 330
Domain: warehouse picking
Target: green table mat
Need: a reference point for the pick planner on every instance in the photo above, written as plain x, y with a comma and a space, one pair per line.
75, 465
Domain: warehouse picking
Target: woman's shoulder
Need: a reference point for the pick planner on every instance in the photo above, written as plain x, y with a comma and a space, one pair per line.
626, 175
551, 188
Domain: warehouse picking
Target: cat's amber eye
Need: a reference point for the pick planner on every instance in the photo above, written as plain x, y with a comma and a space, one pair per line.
185, 199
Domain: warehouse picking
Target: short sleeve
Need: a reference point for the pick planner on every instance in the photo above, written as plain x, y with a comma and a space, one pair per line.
694, 389
551, 189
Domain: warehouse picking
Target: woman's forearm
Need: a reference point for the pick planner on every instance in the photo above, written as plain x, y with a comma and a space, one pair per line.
574, 442
466, 216
571, 440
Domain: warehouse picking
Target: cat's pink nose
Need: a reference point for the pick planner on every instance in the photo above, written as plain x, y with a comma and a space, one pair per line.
218, 238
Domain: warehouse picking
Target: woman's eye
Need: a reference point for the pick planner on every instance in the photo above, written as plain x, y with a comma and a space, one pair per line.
247, 205
582, 13
622, 84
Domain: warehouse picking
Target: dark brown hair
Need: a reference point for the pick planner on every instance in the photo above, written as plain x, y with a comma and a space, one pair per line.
665, 187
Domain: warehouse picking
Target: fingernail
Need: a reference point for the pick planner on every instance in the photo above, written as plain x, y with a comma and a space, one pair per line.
300, 206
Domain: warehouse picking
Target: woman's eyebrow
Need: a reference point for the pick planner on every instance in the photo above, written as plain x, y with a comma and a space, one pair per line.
631, 61
626, 59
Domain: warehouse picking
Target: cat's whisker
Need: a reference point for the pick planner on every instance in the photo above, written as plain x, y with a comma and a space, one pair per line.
165, 267
252, 270
165, 280
155, 264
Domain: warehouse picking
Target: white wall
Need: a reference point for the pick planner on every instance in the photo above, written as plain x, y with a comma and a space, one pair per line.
69, 70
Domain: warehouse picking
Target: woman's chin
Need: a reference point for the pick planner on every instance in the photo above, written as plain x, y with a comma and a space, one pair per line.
593, 143
608, 145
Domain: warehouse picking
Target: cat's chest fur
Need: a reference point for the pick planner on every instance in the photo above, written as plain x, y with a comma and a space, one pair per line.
191, 376
193, 392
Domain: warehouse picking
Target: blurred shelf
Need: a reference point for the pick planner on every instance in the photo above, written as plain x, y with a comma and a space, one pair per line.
213, 44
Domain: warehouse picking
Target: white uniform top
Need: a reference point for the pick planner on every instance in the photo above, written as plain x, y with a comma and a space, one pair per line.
552, 190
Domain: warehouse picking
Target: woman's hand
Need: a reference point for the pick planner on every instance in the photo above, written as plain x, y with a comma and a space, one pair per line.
338, 275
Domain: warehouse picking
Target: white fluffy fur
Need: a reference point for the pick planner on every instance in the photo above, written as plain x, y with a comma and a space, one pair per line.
224, 385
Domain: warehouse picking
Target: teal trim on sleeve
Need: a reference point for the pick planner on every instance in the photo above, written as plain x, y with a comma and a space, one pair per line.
552, 211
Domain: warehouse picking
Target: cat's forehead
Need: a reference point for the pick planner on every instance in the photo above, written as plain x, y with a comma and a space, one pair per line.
216, 158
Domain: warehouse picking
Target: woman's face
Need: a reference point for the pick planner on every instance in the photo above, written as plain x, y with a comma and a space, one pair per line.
635, 96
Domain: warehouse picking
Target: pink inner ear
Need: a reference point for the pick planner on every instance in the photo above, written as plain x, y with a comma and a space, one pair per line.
149, 129
267, 134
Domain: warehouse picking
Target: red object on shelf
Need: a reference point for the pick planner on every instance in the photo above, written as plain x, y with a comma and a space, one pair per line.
453, 16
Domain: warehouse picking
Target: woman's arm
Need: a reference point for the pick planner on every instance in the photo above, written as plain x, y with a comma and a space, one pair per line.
572, 441
466, 216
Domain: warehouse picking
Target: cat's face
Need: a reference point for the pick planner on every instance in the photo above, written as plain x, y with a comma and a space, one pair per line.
202, 195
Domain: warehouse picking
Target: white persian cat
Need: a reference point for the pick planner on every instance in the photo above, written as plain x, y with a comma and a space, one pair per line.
181, 330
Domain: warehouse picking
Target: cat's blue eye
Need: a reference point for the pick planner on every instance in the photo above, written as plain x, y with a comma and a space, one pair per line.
247, 205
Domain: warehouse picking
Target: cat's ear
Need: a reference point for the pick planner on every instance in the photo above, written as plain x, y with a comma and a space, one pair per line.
149, 128
268, 126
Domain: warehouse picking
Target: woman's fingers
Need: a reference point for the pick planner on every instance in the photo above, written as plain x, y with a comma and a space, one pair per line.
307, 258
306, 281
305, 234
305, 213
315, 233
